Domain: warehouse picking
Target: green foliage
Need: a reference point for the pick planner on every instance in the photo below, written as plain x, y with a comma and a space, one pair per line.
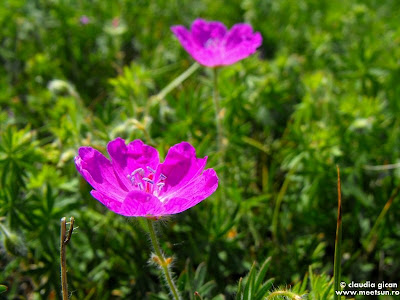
321, 91
320, 286
253, 285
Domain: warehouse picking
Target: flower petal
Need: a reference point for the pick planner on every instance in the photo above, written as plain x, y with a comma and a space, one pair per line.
99, 173
196, 191
240, 43
203, 31
141, 204
184, 37
237, 34
111, 204
126, 159
179, 167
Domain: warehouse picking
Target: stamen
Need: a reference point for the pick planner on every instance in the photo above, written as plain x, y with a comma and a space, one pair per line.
142, 182
148, 180
131, 178
138, 170
140, 185
151, 169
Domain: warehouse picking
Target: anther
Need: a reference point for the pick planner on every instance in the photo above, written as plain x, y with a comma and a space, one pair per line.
140, 185
138, 170
160, 185
148, 180
131, 178
151, 169
163, 177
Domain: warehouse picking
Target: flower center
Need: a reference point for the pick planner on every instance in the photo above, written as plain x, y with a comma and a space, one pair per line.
146, 182
212, 43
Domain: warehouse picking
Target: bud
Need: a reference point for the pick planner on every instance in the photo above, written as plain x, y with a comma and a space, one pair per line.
3, 288
168, 261
156, 259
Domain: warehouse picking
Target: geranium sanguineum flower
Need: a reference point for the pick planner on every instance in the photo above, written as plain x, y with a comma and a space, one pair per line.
212, 45
135, 183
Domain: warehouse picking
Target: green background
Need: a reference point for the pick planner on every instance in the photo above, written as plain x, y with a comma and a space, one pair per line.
323, 90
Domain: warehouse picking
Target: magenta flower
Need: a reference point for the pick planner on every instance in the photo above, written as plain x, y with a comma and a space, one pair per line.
84, 20
135, 184
212, 45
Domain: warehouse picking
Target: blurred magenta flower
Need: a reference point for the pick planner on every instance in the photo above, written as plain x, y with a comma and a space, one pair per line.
134, 183
84, 20
212, 45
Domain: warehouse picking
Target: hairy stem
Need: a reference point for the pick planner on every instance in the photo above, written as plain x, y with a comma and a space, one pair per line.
64, 240
288, 294
162, 263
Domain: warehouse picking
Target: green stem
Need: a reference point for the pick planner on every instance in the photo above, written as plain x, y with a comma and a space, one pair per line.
288, 294
218, 117
279, 199
177, 81
338, 241
160, 256
370, 241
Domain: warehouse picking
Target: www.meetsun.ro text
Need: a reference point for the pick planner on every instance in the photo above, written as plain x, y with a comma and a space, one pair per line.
368, 293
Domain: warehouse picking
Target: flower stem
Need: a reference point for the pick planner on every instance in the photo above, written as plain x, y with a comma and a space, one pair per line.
177, 81
64, 240
162, 263
218, 117
371, 239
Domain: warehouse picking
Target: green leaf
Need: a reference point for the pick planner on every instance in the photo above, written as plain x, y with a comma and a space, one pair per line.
206, 288
304, 284
240, 289
262, 272
264, 289
200, 275
249, 287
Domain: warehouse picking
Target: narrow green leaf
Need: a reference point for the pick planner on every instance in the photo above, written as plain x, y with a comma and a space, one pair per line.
206, 288
338, 241
249, 287
304, 284
240, 289
327, 291
200, 275
261, 293
262, 272
182, 280
310, 271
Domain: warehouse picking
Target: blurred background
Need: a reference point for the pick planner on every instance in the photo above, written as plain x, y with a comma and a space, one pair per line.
323, 90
